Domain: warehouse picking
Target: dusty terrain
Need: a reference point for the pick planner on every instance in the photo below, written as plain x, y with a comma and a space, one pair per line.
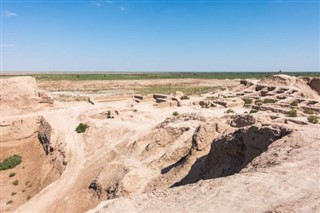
238, 149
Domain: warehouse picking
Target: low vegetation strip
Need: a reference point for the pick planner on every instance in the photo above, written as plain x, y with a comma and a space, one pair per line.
159, 75
10, 162
172, 89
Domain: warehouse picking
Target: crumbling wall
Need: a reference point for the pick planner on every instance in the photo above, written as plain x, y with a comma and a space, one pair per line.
44, 135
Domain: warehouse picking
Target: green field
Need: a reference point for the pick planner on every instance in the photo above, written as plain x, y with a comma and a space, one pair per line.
163, 75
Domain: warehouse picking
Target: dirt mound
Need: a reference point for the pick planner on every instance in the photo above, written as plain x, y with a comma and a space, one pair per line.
315, 84
20, 94
279, 180
230, 153
279, 80
308, 87
37, 170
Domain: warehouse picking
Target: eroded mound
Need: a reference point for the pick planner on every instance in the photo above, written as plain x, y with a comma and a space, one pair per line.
232, 152
308, 87
20, 94
37, 169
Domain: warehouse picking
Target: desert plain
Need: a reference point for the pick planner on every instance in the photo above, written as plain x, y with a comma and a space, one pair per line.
161, 145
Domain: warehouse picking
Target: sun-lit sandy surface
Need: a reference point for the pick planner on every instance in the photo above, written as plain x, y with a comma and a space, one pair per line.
161, 153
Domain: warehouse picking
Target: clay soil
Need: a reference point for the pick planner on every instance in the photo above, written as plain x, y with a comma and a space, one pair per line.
235, 148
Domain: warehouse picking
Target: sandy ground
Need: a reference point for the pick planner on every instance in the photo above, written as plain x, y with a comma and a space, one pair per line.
137, 148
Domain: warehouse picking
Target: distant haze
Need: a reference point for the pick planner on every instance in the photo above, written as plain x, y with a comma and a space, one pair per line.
160, 36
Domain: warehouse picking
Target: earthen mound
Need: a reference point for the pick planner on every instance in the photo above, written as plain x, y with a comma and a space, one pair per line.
308, 87
230, 153
20, 94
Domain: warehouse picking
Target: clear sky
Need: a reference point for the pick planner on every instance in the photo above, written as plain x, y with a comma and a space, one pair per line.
160, 35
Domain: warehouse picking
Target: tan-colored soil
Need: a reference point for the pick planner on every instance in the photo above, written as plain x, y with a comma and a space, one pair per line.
158, 153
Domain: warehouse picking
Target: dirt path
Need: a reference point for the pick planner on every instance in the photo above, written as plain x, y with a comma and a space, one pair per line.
63, 122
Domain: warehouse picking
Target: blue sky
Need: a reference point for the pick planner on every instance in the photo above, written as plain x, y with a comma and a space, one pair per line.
160, 35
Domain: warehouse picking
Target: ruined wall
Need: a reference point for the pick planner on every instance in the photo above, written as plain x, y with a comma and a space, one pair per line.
44, 134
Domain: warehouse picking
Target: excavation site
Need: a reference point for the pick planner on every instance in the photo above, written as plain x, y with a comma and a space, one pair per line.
160, 145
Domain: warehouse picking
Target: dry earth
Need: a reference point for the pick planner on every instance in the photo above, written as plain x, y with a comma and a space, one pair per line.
162, 153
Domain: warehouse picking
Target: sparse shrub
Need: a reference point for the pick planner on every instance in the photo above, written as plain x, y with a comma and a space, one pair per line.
269, 101
313, 119
28, 198
10, 162
309, 111
247, 101
9, 202
211, 98
292, 113
294, 103
81, 128
258, 102
254, 111
12, 174
229, 111
23, 190
175, 113
184, 97
13, 193
15, 182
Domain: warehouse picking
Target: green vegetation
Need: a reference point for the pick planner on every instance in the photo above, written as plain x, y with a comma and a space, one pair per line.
258, 102
247, 101
211, 98
160, 75
13, 193
254, 111
313, 119
292, 113
172, 89
294, 103
15, 182
175, 113
269, 101
229, 111
9, 202
184, 97
309, 111
10, 162
28, 184
81, 128
12, 174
